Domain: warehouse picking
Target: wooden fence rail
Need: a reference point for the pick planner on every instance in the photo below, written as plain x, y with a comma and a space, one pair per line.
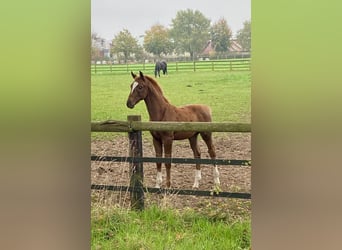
134, 126
215, 65
173, 191
171, 160
129, 126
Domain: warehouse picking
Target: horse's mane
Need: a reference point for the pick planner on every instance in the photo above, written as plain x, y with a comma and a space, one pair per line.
156, 86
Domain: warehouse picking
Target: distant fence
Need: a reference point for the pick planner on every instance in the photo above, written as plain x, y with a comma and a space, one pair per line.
216, 65
134, 126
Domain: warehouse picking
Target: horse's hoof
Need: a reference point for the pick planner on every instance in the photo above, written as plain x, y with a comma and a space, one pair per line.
216, 189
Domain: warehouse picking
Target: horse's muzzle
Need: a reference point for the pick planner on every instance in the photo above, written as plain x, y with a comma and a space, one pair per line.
129, 104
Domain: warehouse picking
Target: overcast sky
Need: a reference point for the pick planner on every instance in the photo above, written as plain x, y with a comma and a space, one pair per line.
109, 17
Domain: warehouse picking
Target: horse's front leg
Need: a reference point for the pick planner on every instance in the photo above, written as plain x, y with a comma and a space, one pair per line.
168, 153
159, 153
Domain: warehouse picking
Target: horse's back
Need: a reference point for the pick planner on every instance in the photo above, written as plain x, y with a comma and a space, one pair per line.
202, 112
187, 113
193, 113
164, 63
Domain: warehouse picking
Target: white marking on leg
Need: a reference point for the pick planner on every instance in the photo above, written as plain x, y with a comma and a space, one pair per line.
159, 179
135, 84
198, 177
216, 176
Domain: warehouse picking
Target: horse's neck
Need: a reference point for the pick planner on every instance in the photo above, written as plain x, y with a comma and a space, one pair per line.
156, 105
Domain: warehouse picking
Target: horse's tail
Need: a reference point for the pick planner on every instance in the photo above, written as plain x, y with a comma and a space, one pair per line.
164, 66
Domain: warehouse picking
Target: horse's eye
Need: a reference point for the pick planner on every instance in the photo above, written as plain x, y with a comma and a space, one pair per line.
140, 87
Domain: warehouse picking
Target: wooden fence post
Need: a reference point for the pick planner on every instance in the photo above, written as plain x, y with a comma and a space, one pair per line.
136, 168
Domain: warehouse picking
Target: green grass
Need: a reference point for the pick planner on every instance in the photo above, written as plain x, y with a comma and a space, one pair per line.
227, 93
156, 228
114, 227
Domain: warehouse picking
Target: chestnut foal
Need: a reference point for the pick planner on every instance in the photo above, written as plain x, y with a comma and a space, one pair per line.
160, 109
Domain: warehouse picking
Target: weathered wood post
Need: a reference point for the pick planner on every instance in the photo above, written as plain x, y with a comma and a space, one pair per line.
136, 168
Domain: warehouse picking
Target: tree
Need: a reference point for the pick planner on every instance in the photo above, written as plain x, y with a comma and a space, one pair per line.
157, 41
190, 31
220, 35
139, 54
126, 44
244, 36
98, 47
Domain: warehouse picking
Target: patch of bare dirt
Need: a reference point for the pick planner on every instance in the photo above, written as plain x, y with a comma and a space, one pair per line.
232, 178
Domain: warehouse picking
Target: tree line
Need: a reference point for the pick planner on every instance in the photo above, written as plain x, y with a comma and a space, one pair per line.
189, 33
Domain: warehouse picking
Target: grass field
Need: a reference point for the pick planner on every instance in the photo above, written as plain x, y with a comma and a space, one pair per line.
156, 228
115, 227
227, 93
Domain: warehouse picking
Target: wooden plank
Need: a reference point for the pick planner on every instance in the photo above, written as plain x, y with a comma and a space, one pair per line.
229, 64
136, 168
173, 191
242, 163
110, 126
122, 126
191, 126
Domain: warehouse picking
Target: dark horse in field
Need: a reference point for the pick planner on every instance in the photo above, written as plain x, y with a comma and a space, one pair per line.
160, 109
160, 65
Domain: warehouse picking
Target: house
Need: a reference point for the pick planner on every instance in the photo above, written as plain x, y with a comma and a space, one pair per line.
235, 46
101, 48
209, 50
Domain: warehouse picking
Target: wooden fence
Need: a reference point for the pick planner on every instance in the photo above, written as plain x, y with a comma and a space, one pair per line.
134, 126
228, 65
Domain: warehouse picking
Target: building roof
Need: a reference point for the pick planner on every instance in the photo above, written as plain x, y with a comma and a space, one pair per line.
209, 48
235, 46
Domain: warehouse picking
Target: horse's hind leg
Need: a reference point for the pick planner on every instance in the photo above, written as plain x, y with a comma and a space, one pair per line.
159, 153
197, 155
168, 152
211, 150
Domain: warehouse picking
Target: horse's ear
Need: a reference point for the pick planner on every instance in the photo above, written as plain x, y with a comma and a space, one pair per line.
133, 75
141, 75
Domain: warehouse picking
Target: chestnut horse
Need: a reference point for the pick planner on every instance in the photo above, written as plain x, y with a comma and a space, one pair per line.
160, 109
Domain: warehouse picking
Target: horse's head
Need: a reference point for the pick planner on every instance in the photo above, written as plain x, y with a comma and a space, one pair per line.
139, 90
